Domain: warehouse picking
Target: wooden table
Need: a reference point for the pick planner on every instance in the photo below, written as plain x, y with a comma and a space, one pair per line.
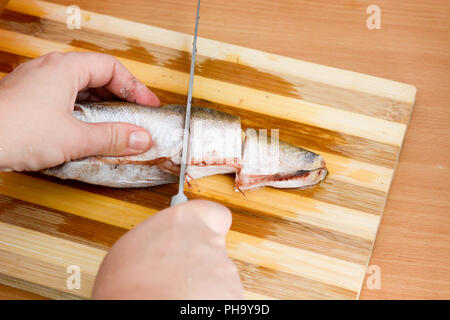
413, 46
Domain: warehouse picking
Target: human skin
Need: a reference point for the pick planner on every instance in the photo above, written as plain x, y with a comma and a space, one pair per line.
37, 129
178, 253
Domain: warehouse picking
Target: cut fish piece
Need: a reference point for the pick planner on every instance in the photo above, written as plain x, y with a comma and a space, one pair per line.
270, 162
215, 143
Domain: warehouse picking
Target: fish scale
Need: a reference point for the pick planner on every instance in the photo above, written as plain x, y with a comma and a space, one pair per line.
215, 147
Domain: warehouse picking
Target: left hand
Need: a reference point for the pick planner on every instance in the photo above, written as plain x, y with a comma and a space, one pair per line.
37, 129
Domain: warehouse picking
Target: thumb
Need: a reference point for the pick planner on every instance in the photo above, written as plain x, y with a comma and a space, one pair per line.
214, 215
114, 139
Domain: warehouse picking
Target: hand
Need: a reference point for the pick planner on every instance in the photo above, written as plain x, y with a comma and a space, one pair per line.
179, 253
37, 129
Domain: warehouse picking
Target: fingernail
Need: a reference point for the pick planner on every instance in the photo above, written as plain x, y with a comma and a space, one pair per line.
139, 140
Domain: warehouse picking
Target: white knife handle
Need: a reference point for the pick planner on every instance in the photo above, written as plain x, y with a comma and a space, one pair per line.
179, 198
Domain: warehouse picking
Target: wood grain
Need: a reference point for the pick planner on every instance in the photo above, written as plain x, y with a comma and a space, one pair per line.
208, 66
263, 20
321, 269
11, 293
257, 101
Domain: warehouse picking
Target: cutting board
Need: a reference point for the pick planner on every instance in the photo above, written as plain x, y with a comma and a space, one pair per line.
287, 244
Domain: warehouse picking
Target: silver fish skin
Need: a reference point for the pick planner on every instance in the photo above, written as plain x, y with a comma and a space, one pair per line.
284, 166
215, 147
160, 164
215, 143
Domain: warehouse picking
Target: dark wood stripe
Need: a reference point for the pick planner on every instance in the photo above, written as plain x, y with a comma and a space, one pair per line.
298, 87
281, 285
276, 284
8, 292
345, 195
331, 191
58, 224
35, 291
307, 136
303, 236
9, 61
44, 271
329, 243
92, 233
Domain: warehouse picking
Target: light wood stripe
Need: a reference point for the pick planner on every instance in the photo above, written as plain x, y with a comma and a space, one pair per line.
58, 196
352, 171
331, 191
310, 244
268, 201
302, 135
230, 94
58, 224
222, 51
265, 281
312, 138
103, 236
256, 296
296, 261
286, 85
278, 203
346, 195
47, 278
88, 232
10, 291
43, 260
66, 199
301, 111
357, 172
37, 258
61, 253
56, 251
29, 282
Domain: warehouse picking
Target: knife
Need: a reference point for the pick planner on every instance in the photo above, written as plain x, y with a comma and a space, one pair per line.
180, 197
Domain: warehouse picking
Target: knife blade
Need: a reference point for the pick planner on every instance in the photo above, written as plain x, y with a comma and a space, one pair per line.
180, 197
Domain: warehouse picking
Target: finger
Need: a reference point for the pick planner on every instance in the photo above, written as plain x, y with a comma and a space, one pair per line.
87, 96
95, 70
216, 216
103, 93
112, 139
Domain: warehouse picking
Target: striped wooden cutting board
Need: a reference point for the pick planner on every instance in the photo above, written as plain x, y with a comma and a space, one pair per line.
287, 244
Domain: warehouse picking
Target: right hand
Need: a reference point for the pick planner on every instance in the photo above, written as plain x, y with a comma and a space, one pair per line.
179, 253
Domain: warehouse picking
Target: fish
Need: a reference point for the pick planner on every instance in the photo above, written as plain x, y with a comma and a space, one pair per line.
217, 145
277, 164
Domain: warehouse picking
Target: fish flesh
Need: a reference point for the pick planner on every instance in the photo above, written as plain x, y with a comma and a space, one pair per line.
217, 145
282, 166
